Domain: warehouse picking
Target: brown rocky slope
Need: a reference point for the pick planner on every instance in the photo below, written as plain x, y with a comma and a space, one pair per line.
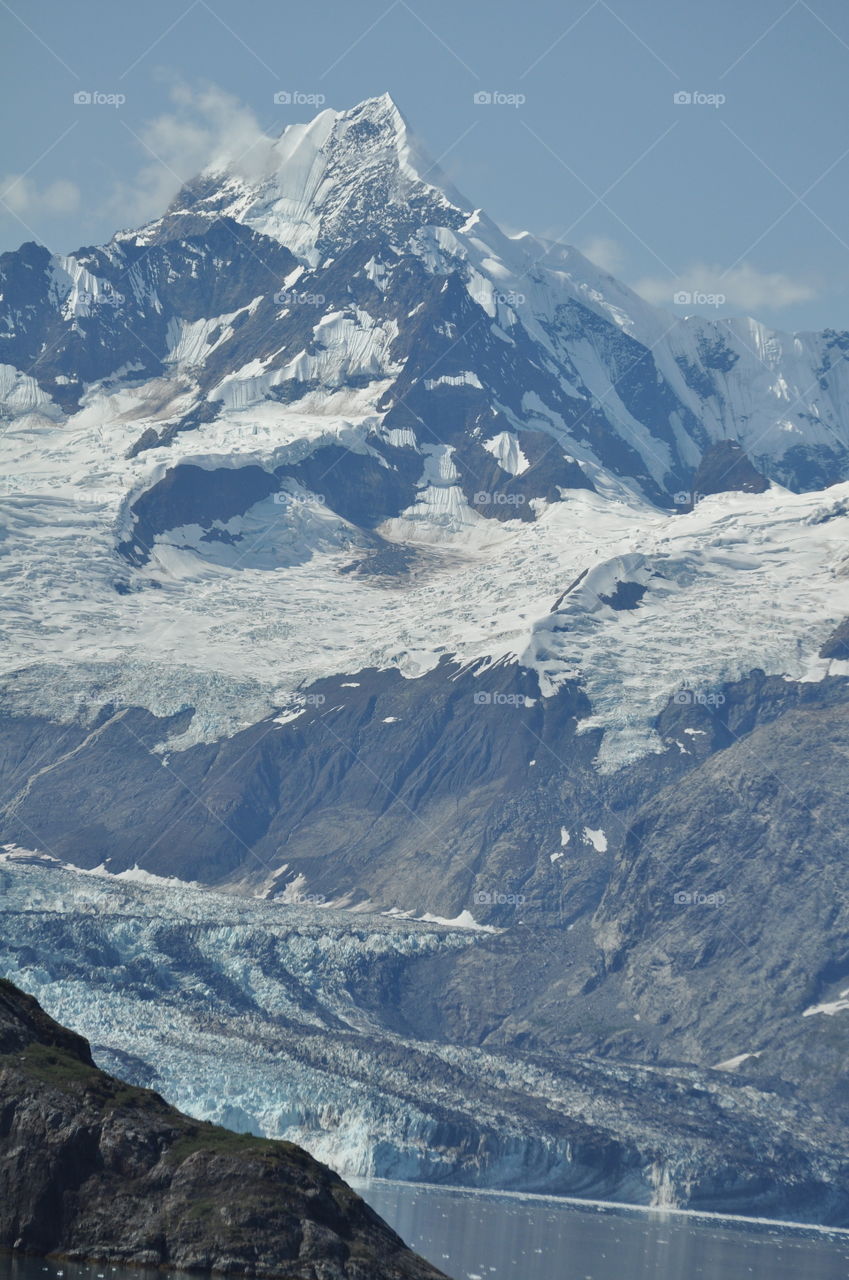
92, 1168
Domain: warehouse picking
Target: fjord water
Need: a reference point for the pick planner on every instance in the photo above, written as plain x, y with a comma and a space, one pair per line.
491, 1236
473, 1236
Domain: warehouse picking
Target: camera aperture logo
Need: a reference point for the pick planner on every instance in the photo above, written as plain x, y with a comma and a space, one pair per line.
696, 898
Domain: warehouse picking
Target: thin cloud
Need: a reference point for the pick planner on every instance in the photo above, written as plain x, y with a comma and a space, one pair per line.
605, 253
24, 196
207, 130
744, 288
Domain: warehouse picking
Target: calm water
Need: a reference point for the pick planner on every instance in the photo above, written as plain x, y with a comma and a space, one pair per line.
502, 1237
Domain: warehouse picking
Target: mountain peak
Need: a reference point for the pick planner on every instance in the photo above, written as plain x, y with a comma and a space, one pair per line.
332, 180
382, 105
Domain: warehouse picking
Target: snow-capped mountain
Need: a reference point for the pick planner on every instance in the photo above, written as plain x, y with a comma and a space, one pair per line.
357, 552
339, 383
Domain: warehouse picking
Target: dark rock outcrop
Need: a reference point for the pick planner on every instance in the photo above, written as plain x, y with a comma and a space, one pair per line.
725, 468
92, 1168
837, 644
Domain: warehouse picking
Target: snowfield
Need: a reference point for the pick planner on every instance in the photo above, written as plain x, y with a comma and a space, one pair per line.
743, 580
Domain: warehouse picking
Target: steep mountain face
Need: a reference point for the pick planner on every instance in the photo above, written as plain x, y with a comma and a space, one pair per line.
94, 1168
358, 553
622, 903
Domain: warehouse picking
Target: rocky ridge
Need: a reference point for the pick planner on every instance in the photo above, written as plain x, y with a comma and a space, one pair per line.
92, 1168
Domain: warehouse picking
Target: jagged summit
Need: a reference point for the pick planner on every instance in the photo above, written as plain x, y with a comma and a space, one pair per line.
326, 183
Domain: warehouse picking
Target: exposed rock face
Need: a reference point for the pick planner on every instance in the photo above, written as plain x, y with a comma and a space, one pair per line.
726, 915
93, 1168
725, 468
350, 830
837, 644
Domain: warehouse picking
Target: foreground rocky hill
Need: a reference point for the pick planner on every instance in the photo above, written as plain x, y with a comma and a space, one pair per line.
94, 1168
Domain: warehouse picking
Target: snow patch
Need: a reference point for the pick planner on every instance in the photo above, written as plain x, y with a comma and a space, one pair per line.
830, 1008
731, 1064
465, 920
507, 451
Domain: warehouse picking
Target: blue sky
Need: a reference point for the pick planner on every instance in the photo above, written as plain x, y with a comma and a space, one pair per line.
744, 198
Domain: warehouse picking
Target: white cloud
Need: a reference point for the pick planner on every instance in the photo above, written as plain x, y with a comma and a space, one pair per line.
208, 129
605, 253
23, 195
744, 287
